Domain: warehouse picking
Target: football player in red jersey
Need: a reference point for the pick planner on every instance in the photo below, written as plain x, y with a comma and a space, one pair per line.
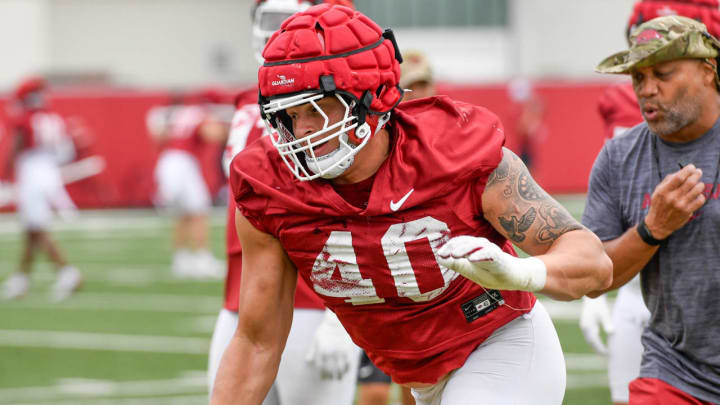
41, 144
318, 352
417, 81
620, 111
401, 218
183, 132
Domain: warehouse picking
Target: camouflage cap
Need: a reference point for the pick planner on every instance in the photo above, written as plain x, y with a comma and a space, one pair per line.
414, 68
660, 40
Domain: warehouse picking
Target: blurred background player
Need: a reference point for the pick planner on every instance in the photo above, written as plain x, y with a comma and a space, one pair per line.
374, 385
320, 362
620, 111
527, 119
40, 144
183, 132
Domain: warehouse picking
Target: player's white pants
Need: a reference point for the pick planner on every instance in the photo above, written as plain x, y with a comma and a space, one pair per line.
40, 189
297, 382
630, 317
180, 184
520, 363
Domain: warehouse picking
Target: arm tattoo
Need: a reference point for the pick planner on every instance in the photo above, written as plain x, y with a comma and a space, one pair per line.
499, 174
547, 218
528, 189
516, 227
556, 223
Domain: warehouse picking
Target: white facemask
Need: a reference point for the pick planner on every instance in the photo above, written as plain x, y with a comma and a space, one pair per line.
334, 163
330, 165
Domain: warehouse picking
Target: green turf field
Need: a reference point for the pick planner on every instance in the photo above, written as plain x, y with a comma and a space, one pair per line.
135, 335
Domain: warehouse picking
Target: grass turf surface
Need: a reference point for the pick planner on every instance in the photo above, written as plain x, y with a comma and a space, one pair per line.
135, 335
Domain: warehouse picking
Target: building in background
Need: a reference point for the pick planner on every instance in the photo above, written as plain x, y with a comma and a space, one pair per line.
181, 43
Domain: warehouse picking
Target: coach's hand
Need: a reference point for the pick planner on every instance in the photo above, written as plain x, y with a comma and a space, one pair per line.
485, 263
674, 201
332, 351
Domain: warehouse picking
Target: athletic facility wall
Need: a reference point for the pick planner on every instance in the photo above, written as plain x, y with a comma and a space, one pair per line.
115, 120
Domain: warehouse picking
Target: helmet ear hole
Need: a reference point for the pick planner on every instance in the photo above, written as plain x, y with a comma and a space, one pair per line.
379, 90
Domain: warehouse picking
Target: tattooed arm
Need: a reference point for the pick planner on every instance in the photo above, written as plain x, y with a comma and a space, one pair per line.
525, 214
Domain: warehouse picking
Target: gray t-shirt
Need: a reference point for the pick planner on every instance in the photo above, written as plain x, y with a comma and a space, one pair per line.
681, 283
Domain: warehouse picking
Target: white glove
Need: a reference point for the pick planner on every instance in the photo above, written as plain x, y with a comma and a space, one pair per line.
486, 264
595, 314
332, 351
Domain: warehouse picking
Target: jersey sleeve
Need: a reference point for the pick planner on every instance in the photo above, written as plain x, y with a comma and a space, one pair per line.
493, 157
491, 148
602, 213
477, 148
460, 142
250, 203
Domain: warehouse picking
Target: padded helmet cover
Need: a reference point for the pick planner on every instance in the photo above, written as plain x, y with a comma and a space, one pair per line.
705, 11
332, 40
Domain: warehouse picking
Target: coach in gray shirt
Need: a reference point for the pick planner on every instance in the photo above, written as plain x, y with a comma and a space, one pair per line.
653, 201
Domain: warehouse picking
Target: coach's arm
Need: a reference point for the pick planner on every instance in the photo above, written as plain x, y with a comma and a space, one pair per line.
673, 203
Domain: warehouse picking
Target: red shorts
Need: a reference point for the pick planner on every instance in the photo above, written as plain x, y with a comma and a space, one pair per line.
651, 391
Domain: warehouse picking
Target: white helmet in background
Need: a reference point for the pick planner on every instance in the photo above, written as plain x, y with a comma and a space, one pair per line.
267, 16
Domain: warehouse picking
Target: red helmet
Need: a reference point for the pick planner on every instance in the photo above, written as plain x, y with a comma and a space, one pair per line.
326, 51
705, 11
267, 15
29, 94
29, 85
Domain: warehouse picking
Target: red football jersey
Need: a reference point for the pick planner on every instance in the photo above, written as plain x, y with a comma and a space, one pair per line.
619, 109
40, 129
376, 267
184, 129
246, 128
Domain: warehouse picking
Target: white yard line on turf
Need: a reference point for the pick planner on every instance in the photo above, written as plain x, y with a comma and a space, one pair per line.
589, 380
585, 361
560, 310
172, 400
104, 392
183, 345
74, 390
124, 302
103, 341
109, 220
563, 311
142, 274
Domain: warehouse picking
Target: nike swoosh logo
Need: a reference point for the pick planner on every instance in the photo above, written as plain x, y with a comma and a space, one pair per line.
396, 205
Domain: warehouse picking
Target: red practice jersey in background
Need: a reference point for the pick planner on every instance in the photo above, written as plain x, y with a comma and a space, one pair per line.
246, 128
619, 109
39, 129
376, 267
184, 130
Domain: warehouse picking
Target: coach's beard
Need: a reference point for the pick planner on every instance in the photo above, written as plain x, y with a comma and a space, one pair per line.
673, 118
